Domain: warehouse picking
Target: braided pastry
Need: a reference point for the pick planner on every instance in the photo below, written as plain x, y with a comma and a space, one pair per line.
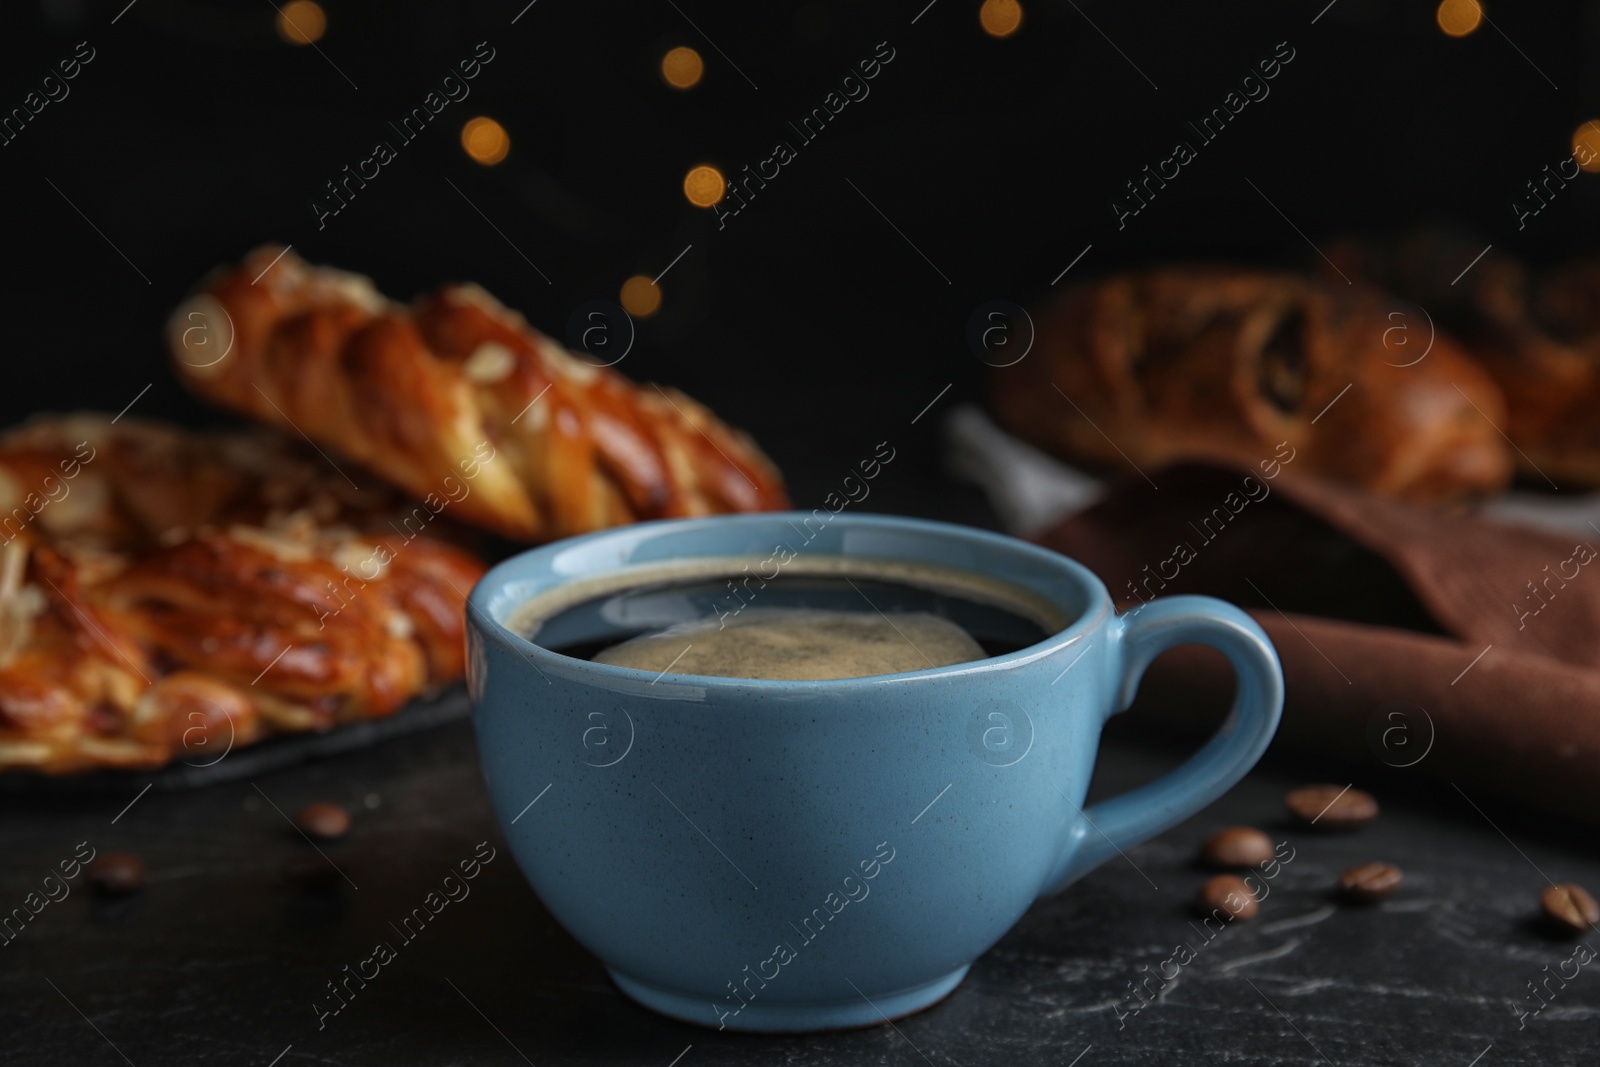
165, 595
459, 384
1227, 365
82, 480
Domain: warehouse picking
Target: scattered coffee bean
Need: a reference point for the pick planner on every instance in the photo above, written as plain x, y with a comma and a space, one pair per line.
1229, 895
1569, 907
1370, 882
1237, 846
323, 821
117, 873
1331, 807
309, 870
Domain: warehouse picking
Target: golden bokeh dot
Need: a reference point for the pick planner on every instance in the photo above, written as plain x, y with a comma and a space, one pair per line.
485, 140
704, 185
302, 22
640, 297
683, 68
1586, 145
1000, 18
1459, 17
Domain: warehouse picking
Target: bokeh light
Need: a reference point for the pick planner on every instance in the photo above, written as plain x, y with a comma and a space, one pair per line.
682, 68
640, 297
704, 185
302, 22
485, 140
1000, 18
1587, 136
1459, 17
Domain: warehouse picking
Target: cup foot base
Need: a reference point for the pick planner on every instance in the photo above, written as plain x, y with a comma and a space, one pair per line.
792, 1018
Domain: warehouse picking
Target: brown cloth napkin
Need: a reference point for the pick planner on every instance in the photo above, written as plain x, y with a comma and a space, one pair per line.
1458, 647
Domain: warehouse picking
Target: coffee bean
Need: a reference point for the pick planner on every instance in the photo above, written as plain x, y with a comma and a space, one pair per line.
1331, 807
1237, 846
1569, 907
117, 873
309, 870
323, 821
1229, 895
1370, 882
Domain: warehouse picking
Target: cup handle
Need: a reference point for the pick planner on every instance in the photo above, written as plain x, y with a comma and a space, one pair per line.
1134, 817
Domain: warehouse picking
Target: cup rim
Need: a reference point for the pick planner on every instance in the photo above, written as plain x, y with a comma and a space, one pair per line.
489, 589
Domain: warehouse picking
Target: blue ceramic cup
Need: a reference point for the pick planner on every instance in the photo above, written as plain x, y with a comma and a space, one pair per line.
804, 855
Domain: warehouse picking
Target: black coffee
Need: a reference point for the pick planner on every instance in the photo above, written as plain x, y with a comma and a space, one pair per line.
791, 627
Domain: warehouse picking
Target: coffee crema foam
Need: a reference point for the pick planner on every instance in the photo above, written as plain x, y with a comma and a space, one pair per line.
799, 644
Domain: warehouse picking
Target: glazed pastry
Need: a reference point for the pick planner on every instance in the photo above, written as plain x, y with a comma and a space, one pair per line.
89, 481
140, 624
1537, 333
1245, 367
454, 384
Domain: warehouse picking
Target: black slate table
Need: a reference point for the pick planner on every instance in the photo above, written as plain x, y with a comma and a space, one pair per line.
217, 960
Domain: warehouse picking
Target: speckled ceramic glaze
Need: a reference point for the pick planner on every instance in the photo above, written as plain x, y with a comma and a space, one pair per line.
785, 856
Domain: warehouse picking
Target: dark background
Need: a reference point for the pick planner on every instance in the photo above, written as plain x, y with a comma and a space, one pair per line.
196, 133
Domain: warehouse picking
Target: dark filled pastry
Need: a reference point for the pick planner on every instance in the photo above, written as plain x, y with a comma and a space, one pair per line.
1537, 333
1249, 368
457, 382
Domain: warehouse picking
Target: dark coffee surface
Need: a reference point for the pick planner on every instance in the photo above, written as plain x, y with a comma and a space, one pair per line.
588, 628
